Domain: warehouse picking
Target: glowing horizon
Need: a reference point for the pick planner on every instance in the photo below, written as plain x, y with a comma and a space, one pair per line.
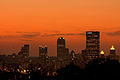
41, 22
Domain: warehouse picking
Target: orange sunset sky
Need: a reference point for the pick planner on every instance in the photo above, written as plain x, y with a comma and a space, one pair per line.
38, 22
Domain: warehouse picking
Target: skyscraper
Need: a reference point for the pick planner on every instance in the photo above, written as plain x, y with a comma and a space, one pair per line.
62, 51
43, 51
24, 50
113, 55
92, 44
102, 54
112, 51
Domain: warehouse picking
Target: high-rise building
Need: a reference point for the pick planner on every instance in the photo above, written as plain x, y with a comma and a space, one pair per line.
43, 51
62, 51
92, 44
112, 50
102, 54
113, 55
24, 50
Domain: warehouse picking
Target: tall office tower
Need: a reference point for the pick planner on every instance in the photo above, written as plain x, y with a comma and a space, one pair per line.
92, 44
113, 55
24, 51
102, 54
43, 51
61, 50
112, 50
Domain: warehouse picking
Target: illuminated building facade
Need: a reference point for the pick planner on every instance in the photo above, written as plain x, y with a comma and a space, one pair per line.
92, 44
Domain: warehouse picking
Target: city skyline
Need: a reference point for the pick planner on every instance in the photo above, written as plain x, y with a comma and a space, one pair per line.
59, 39
41, 22
92, 34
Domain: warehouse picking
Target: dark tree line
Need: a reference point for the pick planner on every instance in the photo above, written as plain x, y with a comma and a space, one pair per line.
94, 70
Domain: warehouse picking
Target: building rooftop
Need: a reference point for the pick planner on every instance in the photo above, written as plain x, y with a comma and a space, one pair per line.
112, 48
60, 38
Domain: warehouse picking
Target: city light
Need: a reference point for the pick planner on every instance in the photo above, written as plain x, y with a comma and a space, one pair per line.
112, 48
47, 66
59, 39
102, 52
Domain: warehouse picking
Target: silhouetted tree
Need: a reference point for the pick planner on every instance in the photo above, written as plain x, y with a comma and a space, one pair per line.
96, 70
70, 72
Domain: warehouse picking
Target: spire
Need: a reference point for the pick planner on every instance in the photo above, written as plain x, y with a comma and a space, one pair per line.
102, 52
112, 48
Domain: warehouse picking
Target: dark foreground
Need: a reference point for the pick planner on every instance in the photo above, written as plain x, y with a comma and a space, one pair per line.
94, 70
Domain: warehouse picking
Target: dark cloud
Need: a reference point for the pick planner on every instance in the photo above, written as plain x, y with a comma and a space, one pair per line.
26, 40
21, 35
30, 35
116, 33
54, 31
26, 32
7, 36
64, 34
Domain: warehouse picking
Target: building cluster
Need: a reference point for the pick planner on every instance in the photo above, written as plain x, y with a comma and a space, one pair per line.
63, 58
